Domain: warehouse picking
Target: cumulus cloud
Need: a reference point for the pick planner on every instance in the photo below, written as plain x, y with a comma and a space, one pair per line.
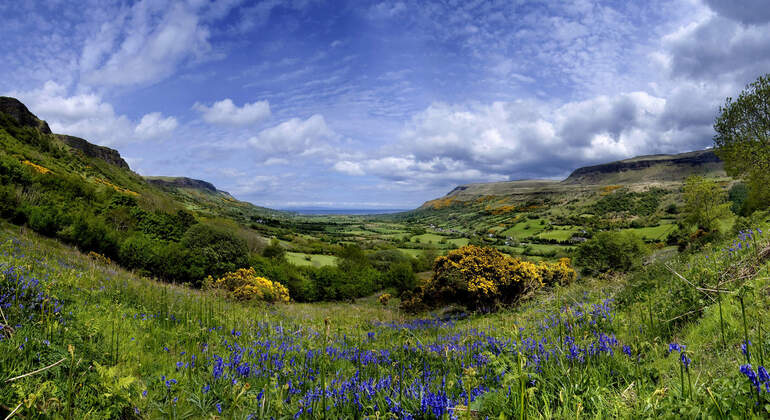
143, 44
88, 116
225, 112
295, 137
445, 143
728, 45
154, 125
745, 11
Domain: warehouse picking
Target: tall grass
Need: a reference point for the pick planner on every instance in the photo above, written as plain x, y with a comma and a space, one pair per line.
136, 348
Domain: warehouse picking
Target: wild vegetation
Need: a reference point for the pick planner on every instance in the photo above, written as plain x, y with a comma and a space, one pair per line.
123, 298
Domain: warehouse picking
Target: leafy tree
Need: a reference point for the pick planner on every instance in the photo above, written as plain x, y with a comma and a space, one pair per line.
705, 203
213, 251
274, 250
743, 138
401, 277
738, 195
611, 251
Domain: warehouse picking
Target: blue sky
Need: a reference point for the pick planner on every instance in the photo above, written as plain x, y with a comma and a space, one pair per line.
379, 104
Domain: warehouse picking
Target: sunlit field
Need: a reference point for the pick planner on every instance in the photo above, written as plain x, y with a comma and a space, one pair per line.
85, 339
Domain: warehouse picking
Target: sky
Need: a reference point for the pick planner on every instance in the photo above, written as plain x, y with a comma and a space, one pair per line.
379, 104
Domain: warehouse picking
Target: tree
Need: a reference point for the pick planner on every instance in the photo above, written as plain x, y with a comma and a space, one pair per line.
705, 203
611, 251
743, 139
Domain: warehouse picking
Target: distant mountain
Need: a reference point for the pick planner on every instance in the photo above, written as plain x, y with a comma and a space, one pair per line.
641, 170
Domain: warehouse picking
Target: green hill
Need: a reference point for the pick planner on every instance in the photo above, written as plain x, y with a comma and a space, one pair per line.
81, 193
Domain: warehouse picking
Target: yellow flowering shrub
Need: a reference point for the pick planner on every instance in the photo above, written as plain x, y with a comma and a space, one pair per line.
101, 259
560, 273
483, 278
36, 167
384, 299
244, 284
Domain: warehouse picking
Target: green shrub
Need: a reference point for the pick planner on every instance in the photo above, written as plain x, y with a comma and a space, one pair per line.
611, 251
213, 252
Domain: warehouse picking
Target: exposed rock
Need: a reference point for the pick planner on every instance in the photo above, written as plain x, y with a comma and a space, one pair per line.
183, 182
106, 154
673, 167
19, 112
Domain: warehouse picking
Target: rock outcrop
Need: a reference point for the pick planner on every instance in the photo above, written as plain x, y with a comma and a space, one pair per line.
19, 112
183, 182
106, 154
668, 168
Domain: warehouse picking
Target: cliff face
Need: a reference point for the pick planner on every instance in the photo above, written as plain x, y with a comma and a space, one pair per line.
653, 167
183, 182
106, 154
19, 112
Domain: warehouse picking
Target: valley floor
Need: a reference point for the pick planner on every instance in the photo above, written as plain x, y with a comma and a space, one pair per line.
83, 338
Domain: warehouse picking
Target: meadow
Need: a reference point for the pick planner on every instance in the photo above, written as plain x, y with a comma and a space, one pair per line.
84, 338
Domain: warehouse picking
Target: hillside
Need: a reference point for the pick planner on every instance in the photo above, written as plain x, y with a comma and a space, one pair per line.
640, 170
87, 195
29, 137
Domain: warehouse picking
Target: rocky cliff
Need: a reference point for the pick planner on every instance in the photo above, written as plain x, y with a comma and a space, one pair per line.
106, 154
183, 182
649, 168
19, 112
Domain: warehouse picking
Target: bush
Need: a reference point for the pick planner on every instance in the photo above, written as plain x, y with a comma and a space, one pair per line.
213, 251
611, 251
478, 278
560, 273
401, 277
244, 284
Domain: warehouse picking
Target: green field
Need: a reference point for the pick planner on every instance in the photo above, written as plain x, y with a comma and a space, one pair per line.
315, 260
103, 341
558, 234
655, 233
435, 239
524, 229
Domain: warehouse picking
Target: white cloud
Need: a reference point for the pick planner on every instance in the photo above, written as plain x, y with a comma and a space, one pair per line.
153, 125
144, 44
348, 167
225, 112
448, 144
295, 137
88, 116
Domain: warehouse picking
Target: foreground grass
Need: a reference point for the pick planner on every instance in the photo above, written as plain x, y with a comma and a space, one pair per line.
129, 347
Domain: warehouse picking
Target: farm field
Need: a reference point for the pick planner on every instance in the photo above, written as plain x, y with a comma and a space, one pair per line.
315, 260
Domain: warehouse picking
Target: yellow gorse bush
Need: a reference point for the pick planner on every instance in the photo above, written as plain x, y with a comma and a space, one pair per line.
485, 277
244, 284
36, 167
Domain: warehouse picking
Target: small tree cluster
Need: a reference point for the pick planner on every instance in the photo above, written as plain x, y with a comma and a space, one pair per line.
244, 284
611, 252
483, 278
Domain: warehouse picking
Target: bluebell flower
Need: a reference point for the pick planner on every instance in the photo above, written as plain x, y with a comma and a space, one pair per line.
749, 372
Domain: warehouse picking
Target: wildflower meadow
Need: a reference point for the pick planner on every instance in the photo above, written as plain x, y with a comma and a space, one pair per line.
82, 338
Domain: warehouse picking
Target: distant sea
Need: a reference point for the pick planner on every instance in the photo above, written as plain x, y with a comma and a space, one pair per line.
347, 212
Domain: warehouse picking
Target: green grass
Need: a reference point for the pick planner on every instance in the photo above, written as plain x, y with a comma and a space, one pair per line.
558, 234
654, 233
524, 229
315, 260
130, 334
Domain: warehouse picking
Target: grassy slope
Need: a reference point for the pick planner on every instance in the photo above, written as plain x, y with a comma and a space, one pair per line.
130, 335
